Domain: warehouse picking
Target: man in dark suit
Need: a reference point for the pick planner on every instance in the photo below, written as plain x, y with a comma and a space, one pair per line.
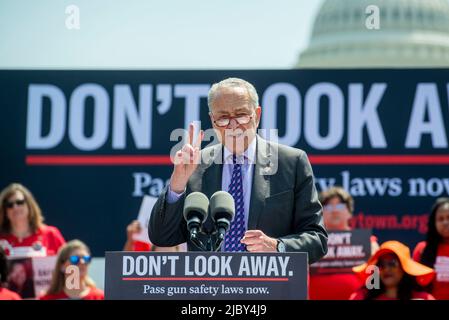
277, 207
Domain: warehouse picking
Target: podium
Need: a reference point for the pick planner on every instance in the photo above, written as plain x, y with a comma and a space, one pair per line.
206, 276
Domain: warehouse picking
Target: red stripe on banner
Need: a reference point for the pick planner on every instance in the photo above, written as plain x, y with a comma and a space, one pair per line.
379, 159
207, 279
117, 160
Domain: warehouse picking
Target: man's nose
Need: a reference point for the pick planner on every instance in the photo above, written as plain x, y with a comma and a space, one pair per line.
233, 124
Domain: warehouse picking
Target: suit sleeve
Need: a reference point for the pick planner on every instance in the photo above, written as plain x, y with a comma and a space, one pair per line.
167, 227
310, 235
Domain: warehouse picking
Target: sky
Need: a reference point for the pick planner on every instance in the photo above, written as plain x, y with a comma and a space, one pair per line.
155, 34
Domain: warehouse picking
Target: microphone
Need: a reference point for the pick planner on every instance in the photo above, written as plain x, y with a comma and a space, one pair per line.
222, 209
196, 205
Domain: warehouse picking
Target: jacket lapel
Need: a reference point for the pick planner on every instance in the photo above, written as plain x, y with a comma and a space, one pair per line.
213, 171
261, 183
211, 179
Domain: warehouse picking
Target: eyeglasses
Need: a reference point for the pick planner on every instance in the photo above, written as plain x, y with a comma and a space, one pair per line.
383, 264
75, 260
224, 122
336, 207
10, 204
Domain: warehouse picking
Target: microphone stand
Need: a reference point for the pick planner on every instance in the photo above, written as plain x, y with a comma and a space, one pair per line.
210, 245
197, 242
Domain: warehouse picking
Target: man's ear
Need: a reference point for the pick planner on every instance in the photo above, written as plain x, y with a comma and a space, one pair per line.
258, 114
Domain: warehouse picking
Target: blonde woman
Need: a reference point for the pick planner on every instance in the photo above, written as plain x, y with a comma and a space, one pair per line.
22, 228
80, 285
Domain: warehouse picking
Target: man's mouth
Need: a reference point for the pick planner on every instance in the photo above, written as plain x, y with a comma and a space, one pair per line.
235, 135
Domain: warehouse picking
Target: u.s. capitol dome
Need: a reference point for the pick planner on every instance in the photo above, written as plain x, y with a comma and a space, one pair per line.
411, 33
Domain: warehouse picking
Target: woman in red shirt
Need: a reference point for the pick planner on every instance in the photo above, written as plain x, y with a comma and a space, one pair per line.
73, 254
5, 294
434, 252
398, 276
22, 231
338, 206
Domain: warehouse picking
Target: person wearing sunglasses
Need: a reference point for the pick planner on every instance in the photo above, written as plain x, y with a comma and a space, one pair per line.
434, 251
338, 206
272, 184
74, 255
22, 228
399, 276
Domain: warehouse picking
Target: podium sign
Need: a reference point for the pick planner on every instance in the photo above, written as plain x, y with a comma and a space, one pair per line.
206, 276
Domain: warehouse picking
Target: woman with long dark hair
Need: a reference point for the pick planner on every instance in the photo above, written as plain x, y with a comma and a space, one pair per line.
434, 252
398, 276
5, 294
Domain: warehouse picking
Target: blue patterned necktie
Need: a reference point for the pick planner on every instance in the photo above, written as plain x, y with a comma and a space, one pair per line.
237, 228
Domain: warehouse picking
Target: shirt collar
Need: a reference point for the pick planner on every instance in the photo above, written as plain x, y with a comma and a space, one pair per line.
250, 153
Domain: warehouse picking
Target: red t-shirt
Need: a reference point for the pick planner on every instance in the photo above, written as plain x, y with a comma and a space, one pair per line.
141, 246
440, 283
94, 294
337, 286
47, 237
333, 286
6, 294
416, 295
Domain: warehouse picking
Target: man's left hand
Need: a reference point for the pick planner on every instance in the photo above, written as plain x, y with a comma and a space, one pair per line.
257, 241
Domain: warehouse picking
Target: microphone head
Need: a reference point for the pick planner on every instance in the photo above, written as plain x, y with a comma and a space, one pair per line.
222, 206
196, 204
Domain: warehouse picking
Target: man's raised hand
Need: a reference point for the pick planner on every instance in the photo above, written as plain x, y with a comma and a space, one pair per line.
186, 161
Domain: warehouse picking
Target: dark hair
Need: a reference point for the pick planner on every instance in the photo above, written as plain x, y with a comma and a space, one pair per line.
3, 266
406, 287
433, 238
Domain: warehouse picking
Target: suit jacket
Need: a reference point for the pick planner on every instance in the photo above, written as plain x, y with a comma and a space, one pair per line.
284, 202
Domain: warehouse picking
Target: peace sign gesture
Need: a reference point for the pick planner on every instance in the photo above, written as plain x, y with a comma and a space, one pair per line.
186, 161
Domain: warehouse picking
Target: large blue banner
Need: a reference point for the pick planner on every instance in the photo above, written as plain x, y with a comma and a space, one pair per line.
91, 144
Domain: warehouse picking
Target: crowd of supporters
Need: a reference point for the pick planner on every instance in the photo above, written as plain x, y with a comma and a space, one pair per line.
401, 275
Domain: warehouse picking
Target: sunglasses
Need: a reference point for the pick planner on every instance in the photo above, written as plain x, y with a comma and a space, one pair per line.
10, 204
383, 264
336, 207
75, 260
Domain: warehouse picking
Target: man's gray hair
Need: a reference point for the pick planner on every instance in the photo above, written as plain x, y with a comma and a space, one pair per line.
232, 83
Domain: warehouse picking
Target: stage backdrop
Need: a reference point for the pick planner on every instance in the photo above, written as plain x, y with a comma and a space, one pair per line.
91, 144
